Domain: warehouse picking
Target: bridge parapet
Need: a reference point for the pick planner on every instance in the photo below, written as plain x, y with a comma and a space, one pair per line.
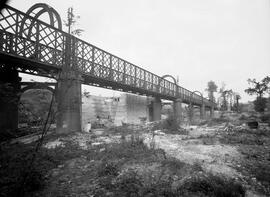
41, 45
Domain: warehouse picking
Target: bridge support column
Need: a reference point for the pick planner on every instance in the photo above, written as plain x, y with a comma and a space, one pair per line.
177, 108
202, 111
69, 102
211, 112
9, 99
155, 109
191, 110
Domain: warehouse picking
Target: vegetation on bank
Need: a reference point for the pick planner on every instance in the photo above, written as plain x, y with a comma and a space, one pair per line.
128, 168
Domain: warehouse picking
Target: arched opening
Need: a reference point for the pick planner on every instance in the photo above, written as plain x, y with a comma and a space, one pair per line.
34, 106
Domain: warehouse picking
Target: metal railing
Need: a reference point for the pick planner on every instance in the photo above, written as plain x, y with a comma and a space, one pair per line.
27, 37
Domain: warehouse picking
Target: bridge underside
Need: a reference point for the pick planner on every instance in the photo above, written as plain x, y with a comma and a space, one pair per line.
32, 67
69, 93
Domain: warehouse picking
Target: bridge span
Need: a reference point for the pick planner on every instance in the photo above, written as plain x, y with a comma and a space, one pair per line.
32, 46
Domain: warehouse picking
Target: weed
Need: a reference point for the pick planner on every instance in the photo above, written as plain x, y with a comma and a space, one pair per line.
173, 164
212, 185
108, 168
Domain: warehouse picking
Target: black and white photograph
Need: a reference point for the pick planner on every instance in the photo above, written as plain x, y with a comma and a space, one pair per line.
135, 98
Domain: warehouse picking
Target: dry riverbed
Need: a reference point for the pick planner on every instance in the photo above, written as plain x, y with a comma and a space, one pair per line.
119, 162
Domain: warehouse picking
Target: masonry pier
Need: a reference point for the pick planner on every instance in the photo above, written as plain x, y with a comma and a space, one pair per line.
202, 111
9, 98
177, 108
69, 102
155, 109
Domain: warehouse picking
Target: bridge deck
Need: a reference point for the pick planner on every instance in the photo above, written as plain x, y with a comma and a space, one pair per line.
38, 48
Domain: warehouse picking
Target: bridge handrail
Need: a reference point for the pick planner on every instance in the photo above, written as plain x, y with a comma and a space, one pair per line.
112, 68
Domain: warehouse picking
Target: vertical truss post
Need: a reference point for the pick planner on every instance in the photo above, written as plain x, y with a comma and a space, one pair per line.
124, 73
93, 61
144, 77
135, 76
16, 33
111, 69
37, 54
1, 40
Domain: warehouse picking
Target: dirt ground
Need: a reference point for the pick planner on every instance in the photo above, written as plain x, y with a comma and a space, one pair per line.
227, 149
203, 145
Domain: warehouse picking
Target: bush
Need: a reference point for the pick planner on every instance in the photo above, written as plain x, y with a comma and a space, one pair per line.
265, 118
15, 165
108, 168
260, 104
169, 125
211, 185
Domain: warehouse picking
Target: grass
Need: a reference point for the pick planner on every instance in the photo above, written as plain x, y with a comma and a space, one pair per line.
15, 164
128, 168
255, 147
211, 185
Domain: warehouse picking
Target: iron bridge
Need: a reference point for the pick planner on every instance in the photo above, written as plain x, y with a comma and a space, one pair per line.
35, 47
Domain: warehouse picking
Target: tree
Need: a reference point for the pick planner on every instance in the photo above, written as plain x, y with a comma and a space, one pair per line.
228, 95
211, 88
260, 104
259, 88
223, 98
71, 21
237, 97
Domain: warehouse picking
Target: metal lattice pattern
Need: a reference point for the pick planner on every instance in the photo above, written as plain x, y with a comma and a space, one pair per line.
42, 43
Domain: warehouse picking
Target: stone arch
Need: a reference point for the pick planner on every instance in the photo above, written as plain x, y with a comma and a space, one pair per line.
31, 87
36, 11
38, 85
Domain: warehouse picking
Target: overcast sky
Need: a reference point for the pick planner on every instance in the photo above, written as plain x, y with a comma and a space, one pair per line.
198, 40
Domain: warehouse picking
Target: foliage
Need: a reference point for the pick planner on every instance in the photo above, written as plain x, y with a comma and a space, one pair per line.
36, 104
170, 123
15, 161
211, 88
265, 117
228, 100
86, 94
71, 21
258, 88
211, 185
260, 104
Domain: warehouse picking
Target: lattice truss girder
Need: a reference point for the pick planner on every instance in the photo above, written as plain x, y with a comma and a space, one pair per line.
28, 37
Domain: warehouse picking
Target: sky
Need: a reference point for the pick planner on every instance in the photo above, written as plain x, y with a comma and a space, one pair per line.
227, 41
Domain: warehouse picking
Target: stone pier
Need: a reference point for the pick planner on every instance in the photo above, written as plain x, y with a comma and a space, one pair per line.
9, 98
69, 102
202, 111
155, 109
177, 109
211, 112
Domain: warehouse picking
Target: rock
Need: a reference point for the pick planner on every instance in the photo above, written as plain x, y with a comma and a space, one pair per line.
54, 144
158, 132
253, 124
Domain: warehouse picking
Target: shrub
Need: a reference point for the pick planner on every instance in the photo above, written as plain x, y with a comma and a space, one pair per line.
169, 125
108, 168
212, 185
265, 117
260, 104
128, 184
